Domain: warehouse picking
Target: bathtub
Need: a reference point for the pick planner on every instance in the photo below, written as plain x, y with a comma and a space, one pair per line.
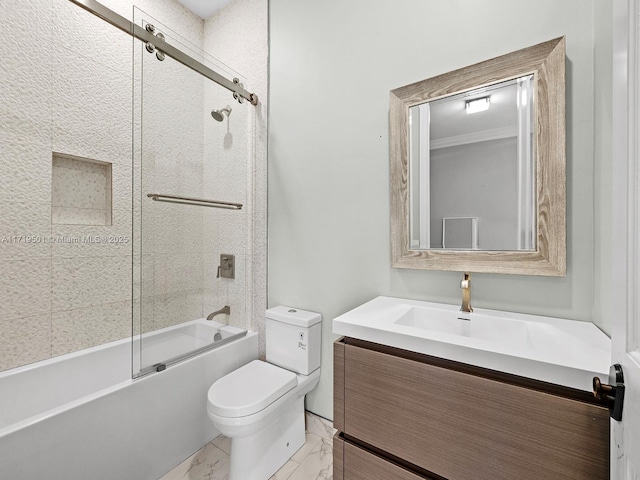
81, 415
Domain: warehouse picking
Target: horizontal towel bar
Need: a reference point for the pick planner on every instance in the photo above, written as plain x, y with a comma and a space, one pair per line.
158, 197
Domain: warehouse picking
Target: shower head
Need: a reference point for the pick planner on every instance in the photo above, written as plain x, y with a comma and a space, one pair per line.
218, 115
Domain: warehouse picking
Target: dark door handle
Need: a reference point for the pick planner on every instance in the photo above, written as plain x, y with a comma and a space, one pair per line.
611, 395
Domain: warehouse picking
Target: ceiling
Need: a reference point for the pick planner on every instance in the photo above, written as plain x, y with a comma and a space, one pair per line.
449, 117
204, 8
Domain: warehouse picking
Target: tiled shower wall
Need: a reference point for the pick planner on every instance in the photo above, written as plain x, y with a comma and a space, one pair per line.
65, 89
168, 139
238, 36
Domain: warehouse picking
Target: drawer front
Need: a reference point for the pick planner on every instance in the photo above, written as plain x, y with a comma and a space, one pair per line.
360, 464
338, 457
464, 427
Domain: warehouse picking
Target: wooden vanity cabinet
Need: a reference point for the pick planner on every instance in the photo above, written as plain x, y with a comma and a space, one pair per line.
408, 416
357, 463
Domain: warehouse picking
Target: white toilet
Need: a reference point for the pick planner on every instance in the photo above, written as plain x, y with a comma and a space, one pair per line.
260, 406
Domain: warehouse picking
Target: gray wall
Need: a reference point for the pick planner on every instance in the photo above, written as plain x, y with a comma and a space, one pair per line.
602, 144
332, 65
477, 180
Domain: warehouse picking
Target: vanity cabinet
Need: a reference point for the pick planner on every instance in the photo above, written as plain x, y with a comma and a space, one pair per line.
409, 416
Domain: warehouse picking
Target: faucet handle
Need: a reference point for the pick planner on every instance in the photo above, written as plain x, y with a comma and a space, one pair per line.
226, 267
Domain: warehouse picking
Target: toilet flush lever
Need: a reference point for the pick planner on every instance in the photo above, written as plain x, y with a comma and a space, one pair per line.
227, 266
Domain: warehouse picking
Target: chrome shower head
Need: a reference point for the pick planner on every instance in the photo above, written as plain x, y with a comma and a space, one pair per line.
218, 115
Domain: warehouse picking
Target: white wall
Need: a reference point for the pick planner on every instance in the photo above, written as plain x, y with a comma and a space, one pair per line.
332, 66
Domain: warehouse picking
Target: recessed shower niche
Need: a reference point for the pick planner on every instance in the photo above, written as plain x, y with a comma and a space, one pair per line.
80, 191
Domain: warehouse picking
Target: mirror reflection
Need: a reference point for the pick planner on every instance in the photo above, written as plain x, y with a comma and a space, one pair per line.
471, 170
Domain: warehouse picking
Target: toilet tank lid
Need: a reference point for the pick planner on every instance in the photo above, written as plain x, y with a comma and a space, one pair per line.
293, 316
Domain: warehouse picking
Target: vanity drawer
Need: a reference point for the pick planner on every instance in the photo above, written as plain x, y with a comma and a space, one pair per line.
462, 426
352, 462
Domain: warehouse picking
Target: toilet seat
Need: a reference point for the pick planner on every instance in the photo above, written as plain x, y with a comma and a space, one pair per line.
249, 389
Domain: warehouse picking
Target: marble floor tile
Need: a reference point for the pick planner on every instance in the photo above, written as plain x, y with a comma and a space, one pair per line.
317, 465
311, 441
210, 463
286, 471
319, 426
223, 443
313, 461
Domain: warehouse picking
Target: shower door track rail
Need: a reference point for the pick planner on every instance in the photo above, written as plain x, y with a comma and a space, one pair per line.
140, 33
159, 367
159, 197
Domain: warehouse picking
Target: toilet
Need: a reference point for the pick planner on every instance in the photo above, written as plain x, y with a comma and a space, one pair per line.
260, 406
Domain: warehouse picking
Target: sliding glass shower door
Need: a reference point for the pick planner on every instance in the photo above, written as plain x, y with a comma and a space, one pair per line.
192, 170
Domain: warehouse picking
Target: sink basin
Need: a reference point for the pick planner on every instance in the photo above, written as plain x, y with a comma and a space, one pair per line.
560, 351
474, 326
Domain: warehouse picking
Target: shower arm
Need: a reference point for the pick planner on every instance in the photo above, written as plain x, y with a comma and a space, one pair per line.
140, 33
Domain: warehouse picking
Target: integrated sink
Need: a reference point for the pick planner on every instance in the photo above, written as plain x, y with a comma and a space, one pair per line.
565, 352
481, 328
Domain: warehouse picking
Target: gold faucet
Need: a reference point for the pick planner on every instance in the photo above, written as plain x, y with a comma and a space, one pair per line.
465, 285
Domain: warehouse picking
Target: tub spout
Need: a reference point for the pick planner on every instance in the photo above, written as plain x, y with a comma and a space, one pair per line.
226, 309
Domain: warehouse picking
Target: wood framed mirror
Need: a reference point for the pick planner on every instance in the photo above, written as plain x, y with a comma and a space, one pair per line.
477, 167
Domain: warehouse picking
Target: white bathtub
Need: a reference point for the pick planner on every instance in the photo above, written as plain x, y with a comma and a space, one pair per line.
81, 416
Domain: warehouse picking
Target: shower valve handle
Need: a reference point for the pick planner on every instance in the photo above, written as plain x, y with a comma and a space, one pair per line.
226, 268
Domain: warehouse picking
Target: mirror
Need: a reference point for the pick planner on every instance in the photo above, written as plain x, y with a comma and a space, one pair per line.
480, 142
478, 167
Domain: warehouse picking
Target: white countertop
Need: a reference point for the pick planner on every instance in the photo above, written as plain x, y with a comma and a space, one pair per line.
563, 352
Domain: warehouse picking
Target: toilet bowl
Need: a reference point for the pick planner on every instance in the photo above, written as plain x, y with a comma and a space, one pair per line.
260, 406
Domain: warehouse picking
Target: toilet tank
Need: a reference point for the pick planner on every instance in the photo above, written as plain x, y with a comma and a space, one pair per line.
293, 339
